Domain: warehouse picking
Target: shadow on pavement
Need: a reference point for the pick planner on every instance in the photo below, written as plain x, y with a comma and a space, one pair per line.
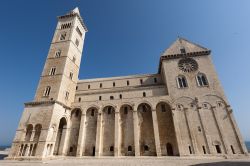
224, 163
2, 156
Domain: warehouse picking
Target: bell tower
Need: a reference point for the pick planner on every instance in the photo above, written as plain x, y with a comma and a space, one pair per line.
60, 74
43, 127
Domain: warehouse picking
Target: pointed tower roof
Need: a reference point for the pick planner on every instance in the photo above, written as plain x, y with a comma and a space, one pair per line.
187, 46
72, 13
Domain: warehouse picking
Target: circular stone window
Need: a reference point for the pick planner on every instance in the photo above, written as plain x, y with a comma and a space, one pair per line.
188, 65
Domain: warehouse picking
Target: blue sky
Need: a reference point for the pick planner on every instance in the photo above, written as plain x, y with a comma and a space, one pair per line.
125, 37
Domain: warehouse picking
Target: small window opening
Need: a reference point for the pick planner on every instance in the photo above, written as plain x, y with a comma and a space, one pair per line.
71, 149
67, 95
111, 97
88, 86
63, 36
100, 97
47, 91
144, 94
127, 83
183, 50
113, 84
146, 148
100, 85
204, 150
141, 81
120, 96
71, 75
111, 149
79, 99
76, 87
217, 147
77, 42
74, 59
58, 54
52, 71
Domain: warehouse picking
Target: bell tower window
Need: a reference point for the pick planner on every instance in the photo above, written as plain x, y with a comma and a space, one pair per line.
63, 36
58, 53
47, 91
52, 71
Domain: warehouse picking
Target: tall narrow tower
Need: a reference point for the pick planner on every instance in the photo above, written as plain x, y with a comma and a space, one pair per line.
46, 117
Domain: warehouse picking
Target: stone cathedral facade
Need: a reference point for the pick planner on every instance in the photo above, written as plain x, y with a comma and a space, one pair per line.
179, 111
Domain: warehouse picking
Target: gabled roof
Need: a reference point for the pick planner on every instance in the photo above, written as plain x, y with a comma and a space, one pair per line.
189, 47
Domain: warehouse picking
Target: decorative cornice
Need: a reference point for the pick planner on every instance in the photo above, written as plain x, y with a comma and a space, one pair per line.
176, 56
36, 103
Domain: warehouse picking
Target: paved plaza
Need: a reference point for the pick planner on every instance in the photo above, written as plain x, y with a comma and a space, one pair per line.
130, 161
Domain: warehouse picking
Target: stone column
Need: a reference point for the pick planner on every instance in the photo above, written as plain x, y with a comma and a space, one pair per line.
217, 121
156, 133
237, 131
32, 135
81, 144
98, 150
192, 138
208, 144
64, 141
27, 150
177, 131
117, 134
136, 133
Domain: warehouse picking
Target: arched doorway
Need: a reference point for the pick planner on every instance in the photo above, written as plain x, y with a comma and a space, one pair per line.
127, 131
90, 131
60, 138
147, 139
75, 118
108, 131
166, 129
169, 148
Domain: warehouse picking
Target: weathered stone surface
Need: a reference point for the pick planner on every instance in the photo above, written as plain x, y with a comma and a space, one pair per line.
180, 111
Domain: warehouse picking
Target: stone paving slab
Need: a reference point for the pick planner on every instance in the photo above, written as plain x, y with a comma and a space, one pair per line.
147, 161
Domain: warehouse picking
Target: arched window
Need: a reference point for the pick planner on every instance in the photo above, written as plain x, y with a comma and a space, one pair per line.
201, 79
29, 130
47, 91
182, 82
38, 129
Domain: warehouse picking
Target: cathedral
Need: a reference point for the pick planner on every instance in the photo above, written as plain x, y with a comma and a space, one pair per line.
179, 111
